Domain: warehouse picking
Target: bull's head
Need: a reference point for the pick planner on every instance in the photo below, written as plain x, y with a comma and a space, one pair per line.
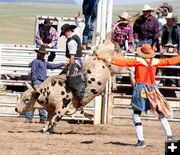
27, 101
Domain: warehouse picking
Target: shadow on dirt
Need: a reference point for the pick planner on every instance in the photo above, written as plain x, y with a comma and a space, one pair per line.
120, 143
124, 144
87, 142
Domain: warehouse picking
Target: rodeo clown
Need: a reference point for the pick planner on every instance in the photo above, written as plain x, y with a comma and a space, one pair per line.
145, 69
75, 78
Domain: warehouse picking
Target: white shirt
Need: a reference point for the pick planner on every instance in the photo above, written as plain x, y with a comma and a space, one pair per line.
72, 45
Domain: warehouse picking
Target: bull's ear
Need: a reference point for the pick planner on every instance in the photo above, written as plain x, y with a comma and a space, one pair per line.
28, 85
36, 94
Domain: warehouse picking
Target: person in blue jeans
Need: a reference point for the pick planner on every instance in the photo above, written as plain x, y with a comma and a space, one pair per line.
89, 9
38, 75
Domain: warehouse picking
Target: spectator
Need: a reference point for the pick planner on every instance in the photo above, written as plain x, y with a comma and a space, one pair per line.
90, 12
171, 35
38, 75
74, 53
161, 13
171, 44
146, 28
123, 33
145, 66
47, 36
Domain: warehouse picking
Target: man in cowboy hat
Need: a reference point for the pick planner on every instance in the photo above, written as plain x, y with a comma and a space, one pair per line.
146, 28
123, 36
123, 33
38, 75
170, 41
146, 66
74, 53
47, 36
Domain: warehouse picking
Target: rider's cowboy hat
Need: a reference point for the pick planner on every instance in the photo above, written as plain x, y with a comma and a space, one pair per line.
67, 27
42, 49
147, 8
47, 22
146, 51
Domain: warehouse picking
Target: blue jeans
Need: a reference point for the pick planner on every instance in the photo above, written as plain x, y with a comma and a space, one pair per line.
89, 29
141, 42
52, 55
42, 114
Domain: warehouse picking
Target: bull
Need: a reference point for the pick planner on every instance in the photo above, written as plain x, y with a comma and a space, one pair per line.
58, 100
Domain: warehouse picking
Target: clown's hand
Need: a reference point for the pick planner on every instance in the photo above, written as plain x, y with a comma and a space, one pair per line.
104, 57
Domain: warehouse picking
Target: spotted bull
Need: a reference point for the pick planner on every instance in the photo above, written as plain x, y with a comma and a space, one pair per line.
54, 96
57, 99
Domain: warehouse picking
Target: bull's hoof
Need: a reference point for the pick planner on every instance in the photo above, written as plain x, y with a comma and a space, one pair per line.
47, 131
44, 130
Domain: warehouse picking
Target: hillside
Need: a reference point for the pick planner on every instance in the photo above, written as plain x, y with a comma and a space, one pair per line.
17, 20
39, 1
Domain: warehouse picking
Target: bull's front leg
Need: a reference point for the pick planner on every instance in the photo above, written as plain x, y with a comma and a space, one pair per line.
54, 118
58, 115
48, 124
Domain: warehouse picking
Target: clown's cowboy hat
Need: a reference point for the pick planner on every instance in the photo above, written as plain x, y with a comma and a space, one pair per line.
67, 27
42, 49
145, 51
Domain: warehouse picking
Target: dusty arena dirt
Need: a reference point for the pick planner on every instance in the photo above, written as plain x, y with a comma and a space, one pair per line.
19, 138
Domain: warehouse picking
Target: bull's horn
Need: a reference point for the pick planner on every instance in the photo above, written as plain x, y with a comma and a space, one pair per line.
28, 85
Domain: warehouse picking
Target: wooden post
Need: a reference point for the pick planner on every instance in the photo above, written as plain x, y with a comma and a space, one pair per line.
105, 105
109, 15
110, 102
99, 20
97, 113
104, 20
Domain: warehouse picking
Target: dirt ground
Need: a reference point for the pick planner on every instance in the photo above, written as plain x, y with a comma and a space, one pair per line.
19, 138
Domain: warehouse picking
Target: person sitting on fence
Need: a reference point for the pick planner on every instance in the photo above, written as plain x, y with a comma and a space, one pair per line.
38, 75
122, 37
123, 33
170, 41
142, 99
75, 78
146, 28
47, 36
161, 13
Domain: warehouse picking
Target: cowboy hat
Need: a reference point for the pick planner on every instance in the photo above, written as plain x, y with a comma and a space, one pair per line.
147, 8
146, 51
67, 27
166, 5
42, 49
124, 16
47, 22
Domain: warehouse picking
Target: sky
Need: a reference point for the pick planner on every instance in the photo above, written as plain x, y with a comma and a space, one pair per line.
128, 1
